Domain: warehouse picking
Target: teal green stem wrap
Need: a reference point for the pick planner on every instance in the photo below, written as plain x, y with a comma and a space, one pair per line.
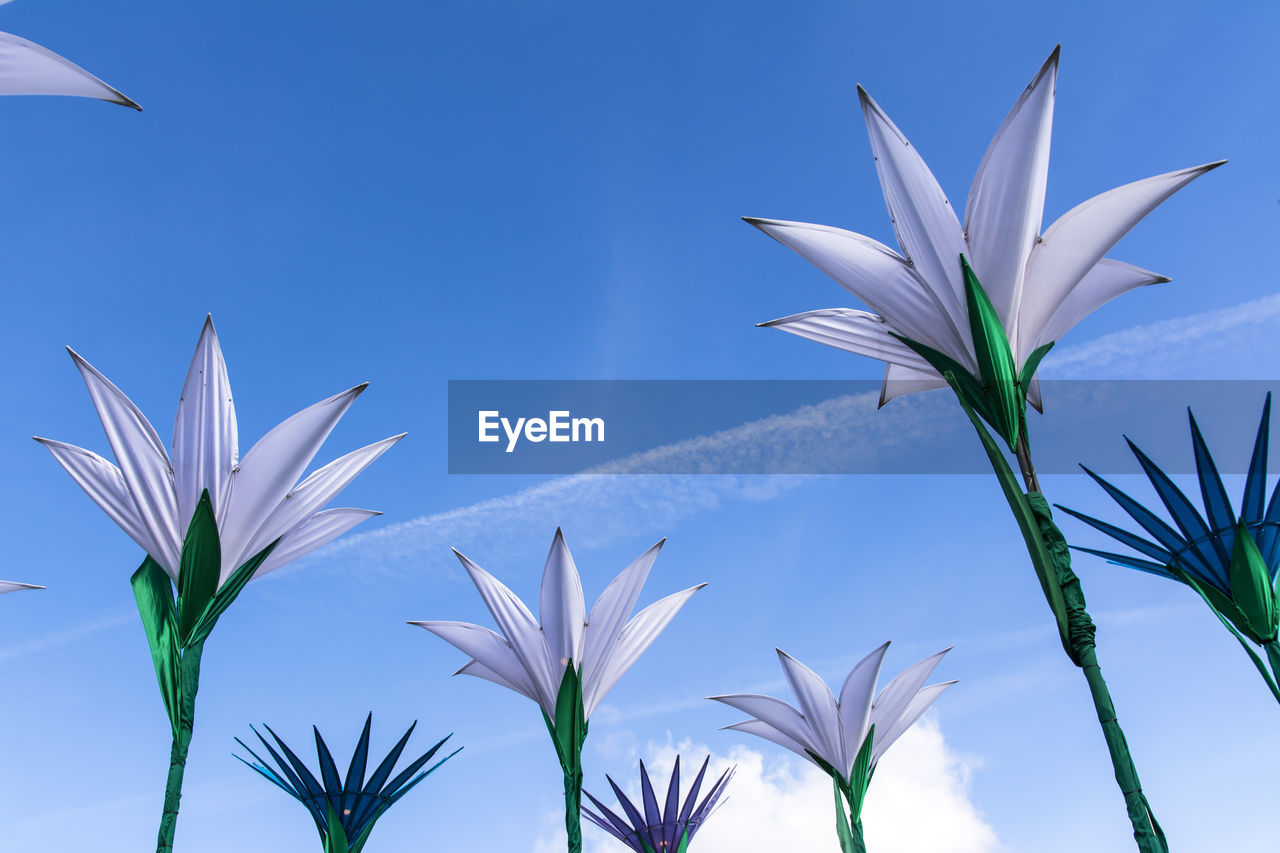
189, 682
1146, 830
573, 805
1051, 559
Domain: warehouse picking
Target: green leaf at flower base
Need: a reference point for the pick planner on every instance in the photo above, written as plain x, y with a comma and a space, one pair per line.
154, 594
335, 840
1250, 582
843, 832
201, 564
996, 366
569, 728
227, 593
1032, 364
860, 777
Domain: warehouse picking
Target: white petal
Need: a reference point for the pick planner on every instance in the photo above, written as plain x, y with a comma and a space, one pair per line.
143, 462
633, 640
271, 468
923, 220
608, 617
308, 498
104, 483
853, 331
491, 652
855, 701
878, 276
521, 631
26, 68
561, 609
768, 732
205, 447
1033, 394
918, 705
14, 586
1107, 280
479, 670
819, 708
902, 379
1078, 240
1006, 202
321, 529
898, 693
780, 717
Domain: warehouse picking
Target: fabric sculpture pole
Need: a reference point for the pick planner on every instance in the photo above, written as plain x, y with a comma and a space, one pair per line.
976, 307
667, 829
569, 661
845, 738
1230, 561
208, 520
344, 809
26, 68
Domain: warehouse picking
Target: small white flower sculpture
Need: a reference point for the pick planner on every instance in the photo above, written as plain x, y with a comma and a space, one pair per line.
572, 659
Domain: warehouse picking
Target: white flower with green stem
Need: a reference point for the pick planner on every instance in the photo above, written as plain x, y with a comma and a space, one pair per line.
208, 520
845, 737
976, 307
567, 660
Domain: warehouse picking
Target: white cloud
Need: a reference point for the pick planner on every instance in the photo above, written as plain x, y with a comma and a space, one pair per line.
919, 801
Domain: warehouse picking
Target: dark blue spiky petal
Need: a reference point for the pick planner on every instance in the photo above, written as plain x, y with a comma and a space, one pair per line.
658, 829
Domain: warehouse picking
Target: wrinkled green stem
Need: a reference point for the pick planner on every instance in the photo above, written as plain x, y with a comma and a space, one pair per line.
1273, 657
573, 806
189, 681
1082, 650
848, 831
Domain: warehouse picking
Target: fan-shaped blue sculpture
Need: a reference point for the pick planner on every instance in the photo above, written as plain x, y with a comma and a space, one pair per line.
665, 830
344, 809
1230, 560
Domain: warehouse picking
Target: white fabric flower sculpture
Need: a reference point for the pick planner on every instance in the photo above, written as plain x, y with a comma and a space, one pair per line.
572, 659
208, 520
985, 300
26, 68
845, 737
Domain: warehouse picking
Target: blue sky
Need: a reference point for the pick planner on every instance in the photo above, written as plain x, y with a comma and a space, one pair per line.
412, 193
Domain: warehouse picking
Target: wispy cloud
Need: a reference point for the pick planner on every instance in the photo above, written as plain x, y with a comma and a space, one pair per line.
609, 503
66, 636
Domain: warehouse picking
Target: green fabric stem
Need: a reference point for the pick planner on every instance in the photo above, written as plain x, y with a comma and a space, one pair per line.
573, 806
189, 681
1051, 559
848, 831
568, 733
1273, 657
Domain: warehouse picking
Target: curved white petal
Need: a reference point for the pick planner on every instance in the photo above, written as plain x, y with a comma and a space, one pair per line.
478, 670
14, 586
853, 331
609, 616
632, 641
917, 706
897, 695
491, 652
1107, 280
143, 463
1079, 239
205, 442
26, 68
271, 468
319, 530
926, 226
855, 701
819, 708
902, 379
307, 498
878, 276
521, 632
780, 717
104, 484
561, 609
1006, 202
764, 730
